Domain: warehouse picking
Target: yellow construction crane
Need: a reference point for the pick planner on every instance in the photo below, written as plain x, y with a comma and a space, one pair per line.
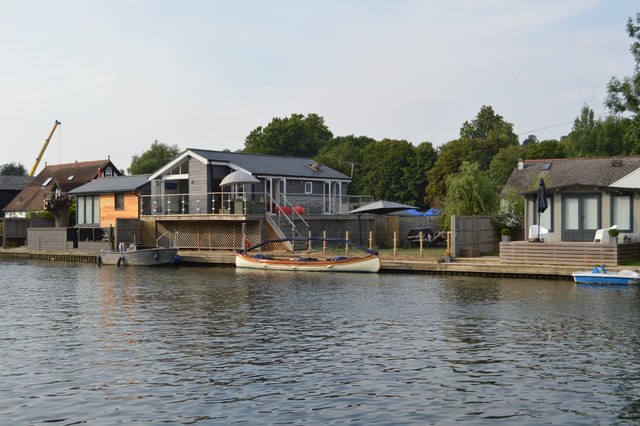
44, 148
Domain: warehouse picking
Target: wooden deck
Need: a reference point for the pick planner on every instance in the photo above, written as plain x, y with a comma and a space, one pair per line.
568, 253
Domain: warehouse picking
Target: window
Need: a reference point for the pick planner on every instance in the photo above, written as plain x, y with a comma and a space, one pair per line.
46, 182
622, 212
308, 187
88, 210
71, 177
119, 201
108, 172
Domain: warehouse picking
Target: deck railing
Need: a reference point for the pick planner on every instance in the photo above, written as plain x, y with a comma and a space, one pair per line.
247, 203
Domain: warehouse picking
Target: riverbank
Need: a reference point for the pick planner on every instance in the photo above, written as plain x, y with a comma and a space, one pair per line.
488, 266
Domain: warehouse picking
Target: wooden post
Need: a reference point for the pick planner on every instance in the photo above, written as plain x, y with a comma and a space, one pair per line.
324, 242
421, 246
370, 240
309, 243
346, 245
395, 243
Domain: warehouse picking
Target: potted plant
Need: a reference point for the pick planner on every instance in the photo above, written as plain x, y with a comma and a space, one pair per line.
447, 256
613, 234
506, 235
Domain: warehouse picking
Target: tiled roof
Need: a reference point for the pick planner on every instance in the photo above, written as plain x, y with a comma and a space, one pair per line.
64, 176
112, 185
272, 165
14, 183
564, 172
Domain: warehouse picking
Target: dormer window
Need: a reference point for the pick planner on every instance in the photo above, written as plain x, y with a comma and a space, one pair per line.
108, 172
46, 182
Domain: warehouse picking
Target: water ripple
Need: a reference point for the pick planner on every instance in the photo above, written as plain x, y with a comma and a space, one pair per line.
82, 344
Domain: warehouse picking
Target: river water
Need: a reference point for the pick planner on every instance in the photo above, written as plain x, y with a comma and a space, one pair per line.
81, 344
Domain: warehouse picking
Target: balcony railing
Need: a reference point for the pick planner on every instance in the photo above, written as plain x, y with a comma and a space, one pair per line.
248, 203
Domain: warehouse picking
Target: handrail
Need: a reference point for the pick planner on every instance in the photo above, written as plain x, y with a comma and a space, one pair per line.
196, 203
165, 233
293, 210
293, 225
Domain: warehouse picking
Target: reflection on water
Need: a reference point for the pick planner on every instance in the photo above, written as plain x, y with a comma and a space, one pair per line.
81, 344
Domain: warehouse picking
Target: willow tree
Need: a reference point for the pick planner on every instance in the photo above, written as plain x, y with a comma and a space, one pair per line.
470, 192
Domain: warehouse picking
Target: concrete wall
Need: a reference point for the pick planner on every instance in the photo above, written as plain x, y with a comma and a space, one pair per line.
48, 239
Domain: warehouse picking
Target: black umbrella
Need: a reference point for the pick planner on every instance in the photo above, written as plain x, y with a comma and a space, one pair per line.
542, 201
378, 207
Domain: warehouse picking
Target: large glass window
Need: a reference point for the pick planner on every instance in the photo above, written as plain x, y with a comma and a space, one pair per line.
88, 210
621, 212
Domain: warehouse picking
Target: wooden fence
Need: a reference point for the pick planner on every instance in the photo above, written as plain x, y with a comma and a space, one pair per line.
473, 236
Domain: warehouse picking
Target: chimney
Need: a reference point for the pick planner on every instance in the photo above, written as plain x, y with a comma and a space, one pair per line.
99, 172
520, 164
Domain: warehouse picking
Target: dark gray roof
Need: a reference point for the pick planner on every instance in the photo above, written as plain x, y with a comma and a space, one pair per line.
272, 165
566, 172
112, 184
14, 183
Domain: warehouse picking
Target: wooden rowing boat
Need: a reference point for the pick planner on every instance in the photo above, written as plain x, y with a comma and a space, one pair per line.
370, 262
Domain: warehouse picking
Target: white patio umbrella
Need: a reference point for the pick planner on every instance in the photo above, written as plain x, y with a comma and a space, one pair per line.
238, 177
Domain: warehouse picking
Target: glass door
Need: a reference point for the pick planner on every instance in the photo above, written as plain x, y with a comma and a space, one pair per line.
580, 217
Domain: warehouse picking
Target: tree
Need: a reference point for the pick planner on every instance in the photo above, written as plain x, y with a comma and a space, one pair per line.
295, 136
470, 192
58, 205
594, 137
502, 165
13, 169
389, 172
345, 154
480, 140
155, 157
624, 95
546, 149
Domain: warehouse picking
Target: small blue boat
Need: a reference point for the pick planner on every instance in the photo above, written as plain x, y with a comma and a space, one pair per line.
599, 275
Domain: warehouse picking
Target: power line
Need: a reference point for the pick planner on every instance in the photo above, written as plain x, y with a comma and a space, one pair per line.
555, 125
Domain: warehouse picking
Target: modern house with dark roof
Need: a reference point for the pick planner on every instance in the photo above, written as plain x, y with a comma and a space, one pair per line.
103, 200
191, 184
57, 179
583, 195
10, 186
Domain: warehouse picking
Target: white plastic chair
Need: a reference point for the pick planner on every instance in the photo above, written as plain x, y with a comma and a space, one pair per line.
602, 235
544, 233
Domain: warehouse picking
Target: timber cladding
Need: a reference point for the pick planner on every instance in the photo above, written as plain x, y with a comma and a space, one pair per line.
568, 253
108, 212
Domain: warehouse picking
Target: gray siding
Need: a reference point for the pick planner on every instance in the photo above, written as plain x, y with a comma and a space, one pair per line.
199, 183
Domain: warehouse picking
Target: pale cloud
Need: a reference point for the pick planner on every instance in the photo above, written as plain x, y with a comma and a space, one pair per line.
121, 74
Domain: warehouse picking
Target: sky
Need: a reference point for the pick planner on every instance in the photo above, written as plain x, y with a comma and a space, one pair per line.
120, 74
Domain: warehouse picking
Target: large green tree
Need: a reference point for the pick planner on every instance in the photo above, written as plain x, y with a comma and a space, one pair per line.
345, 154
296, 136
480, 140
595, 137
152, 159
389, 171
13, 169
470, 192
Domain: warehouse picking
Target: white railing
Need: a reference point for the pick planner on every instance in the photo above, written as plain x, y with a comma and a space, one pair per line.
248, 203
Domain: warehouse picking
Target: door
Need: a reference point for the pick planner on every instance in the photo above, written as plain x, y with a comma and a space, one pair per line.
580, 217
